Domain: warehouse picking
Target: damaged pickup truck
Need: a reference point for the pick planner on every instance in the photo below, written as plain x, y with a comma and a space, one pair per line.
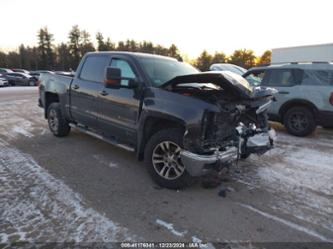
184, 124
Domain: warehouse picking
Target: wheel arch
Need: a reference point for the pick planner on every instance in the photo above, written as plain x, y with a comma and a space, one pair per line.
153, 124
49, 99
297, 102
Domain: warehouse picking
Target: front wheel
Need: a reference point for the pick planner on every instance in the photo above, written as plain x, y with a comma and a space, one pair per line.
299, 121
57, 122
162, 159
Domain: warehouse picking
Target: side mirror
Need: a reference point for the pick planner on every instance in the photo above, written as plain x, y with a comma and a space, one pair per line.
112, 77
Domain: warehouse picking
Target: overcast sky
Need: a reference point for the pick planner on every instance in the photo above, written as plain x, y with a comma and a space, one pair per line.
192, 25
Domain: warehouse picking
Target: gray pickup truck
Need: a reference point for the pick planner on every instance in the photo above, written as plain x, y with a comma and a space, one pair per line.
184, 124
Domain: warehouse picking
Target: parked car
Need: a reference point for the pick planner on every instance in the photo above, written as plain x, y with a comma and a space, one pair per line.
305, 97
227, 67
3, 80
5, 70
21, 79
183, 123
17, 70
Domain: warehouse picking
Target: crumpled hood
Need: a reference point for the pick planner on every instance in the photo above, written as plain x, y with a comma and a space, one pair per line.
226, 80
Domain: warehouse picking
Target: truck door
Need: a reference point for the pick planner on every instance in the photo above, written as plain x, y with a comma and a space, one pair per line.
120, 106
85, 89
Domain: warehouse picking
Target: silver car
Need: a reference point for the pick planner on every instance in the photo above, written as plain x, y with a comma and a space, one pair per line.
21, 79
3, 80
305, 97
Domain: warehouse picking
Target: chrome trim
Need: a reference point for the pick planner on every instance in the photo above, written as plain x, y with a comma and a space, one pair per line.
195, 163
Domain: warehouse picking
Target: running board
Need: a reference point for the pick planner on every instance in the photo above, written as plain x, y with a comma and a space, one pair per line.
110, 141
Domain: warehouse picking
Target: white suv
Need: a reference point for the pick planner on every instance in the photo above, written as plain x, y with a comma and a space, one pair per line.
305, 97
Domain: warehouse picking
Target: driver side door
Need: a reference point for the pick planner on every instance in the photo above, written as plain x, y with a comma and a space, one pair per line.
120, 105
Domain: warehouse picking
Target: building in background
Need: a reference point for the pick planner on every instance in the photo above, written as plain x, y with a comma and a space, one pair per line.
311, 53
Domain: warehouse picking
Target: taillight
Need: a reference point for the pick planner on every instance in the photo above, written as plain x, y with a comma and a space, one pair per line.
331, 98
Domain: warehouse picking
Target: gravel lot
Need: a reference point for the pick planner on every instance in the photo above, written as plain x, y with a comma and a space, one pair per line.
81, 189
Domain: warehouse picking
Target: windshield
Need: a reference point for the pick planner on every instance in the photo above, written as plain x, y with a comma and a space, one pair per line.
160, 70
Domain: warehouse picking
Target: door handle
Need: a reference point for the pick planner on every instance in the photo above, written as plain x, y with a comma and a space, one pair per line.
76, 87
283, 92
103, 93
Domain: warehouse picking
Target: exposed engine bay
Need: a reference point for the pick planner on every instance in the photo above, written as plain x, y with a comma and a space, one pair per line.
236, 119
236, 128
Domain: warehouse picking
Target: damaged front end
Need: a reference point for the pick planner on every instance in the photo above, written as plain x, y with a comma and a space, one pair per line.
236, 128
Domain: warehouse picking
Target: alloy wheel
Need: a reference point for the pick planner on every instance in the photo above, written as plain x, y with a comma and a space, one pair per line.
166, 160
53, 120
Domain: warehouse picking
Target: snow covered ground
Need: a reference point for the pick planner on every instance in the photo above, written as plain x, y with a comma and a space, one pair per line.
299, 174
18, 89
34, 205
37, 207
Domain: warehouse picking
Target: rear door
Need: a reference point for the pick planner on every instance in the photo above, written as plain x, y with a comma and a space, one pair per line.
16, 79
120, 106
286, 81
86, 88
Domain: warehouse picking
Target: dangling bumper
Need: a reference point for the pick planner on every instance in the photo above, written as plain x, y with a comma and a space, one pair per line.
198, 165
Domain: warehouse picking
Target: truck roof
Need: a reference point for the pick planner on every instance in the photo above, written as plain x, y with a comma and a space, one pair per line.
132, 54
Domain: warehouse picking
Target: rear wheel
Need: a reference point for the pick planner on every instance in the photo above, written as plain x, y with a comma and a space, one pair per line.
57, 122
162, 159
299, 121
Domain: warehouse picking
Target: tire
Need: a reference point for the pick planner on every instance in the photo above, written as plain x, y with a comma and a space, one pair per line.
165, 146
57, 122
328, 127
299, 121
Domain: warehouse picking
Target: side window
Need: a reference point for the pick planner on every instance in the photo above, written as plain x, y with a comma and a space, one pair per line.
126, 70
255, 78
281, 77
94, 68
316, 77
18, 75
331, 77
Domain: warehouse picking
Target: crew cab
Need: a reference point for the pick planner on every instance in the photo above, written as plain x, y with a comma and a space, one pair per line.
184, 124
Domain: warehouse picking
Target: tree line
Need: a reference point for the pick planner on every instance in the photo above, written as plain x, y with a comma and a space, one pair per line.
66, 56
